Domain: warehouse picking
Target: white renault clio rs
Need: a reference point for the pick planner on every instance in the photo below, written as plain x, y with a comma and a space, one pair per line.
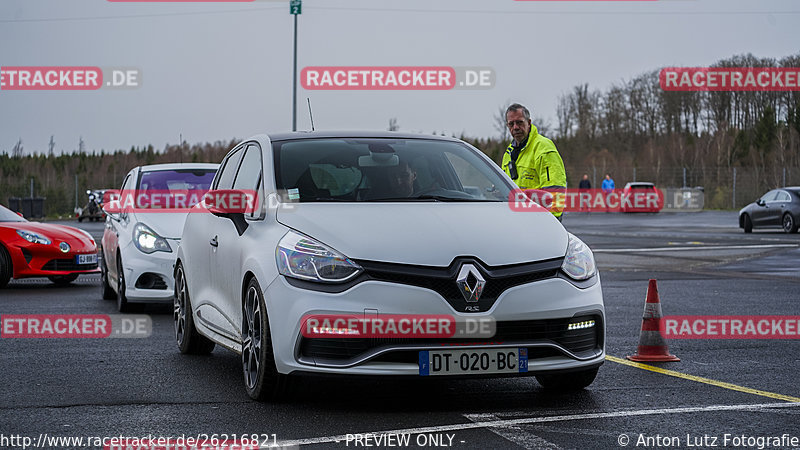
375, 227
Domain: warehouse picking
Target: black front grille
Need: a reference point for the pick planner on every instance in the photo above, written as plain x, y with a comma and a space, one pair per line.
27, 255
443, 279
581, 342
67, 265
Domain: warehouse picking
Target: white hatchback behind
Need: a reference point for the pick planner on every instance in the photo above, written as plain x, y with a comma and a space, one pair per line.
142, 236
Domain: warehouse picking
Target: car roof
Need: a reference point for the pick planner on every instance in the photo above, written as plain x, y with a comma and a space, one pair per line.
375, 134
175, 166
640, 183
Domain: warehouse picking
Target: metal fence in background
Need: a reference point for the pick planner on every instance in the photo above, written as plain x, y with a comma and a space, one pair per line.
723, 187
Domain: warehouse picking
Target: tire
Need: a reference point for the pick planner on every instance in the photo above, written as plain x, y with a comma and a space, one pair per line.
123, 305
5, 267
189, 341
261, 378
565, 382
105, 288
747, 224
63, 280
789, 224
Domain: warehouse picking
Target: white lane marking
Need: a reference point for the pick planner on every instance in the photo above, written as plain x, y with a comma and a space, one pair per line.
514, 433
548, 419
707, 247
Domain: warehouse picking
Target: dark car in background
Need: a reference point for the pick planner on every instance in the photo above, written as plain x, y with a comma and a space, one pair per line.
776, 208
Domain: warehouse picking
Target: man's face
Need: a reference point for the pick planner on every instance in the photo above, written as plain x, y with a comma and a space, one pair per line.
518, 125
401, 179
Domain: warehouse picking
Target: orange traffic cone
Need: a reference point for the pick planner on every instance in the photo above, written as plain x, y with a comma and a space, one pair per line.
652, 345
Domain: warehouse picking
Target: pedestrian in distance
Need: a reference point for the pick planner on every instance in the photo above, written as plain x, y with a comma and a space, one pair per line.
608, 188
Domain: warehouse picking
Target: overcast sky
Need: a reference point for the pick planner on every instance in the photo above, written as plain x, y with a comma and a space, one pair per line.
215, 71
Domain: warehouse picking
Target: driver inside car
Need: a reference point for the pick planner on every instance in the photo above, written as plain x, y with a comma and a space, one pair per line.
401, 179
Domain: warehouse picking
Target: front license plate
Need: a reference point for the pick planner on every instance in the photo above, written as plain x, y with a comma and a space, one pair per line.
473, 361
86, 259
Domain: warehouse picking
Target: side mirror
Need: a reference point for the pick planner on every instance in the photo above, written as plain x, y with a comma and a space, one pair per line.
231, 204
112, 204
760, 202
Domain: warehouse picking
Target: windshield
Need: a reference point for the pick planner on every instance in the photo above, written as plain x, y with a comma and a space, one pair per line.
6, 215
363, 170
177, 180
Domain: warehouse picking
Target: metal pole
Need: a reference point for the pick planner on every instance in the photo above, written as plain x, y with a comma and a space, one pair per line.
734, 188
784, 177
594, 177
684, 177
31, 187
76, 191
294, 80
634, 174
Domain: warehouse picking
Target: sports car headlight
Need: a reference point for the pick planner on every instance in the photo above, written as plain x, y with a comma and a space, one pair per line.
579, 262
301, 257
34, 238
147, 241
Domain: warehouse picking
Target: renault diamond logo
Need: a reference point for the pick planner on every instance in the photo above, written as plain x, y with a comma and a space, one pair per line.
470, 283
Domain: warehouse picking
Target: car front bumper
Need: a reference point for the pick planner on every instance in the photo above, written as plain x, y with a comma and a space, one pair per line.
148, 277
549, 303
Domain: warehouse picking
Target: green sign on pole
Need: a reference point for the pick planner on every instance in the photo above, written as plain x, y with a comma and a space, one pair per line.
295, 7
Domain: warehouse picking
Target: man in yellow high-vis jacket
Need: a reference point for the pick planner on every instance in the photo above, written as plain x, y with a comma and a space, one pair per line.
531, 160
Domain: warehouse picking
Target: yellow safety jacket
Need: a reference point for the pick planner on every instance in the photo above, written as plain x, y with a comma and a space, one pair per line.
539, 166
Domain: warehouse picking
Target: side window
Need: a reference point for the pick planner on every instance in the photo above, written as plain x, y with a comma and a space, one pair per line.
783, 197
249, 177
249, 173
769, 196
127, 183
228, 170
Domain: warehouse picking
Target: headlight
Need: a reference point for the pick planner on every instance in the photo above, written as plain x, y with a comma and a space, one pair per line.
34, 238
301, 257
579, 262
147, 241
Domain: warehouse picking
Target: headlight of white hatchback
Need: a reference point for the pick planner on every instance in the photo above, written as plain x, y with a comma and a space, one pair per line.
148, 241
579, 262
304, 258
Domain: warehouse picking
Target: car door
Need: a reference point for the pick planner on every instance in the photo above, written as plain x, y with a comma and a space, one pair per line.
778, 206
220, 238
760, 212
228, 259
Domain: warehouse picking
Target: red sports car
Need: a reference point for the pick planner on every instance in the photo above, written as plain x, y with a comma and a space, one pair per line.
30, 249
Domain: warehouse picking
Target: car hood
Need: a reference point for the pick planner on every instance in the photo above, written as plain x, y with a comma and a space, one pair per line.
430, 233
166, 224
55, 233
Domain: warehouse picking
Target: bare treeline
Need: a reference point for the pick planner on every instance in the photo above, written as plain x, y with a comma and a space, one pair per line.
54, 177
637, 131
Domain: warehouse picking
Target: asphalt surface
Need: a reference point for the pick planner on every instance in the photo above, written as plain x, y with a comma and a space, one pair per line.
704, 265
